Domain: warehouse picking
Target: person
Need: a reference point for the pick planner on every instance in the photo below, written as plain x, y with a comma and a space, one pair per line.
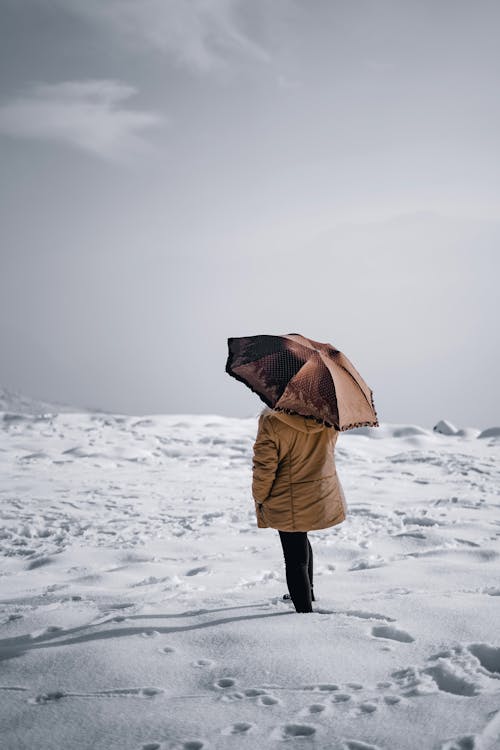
296, 489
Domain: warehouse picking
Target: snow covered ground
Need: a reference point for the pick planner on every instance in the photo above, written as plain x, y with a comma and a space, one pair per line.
141, 607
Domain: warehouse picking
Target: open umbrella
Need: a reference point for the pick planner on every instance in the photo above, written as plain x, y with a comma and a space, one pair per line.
298, 375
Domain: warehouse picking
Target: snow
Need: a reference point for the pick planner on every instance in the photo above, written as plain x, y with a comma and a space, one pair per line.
445, 427
141, 607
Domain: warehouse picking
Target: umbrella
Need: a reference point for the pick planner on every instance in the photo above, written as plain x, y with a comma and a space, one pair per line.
298, 375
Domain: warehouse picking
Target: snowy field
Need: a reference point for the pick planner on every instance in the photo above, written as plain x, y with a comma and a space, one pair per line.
141, 607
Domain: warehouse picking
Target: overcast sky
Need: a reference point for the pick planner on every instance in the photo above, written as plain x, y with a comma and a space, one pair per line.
177, 172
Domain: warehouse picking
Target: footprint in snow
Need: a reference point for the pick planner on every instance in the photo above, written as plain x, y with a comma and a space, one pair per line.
290, 731
341, 698
391, 700
467, 742
442, 677
314, 709
492, 591
224, 682
488, 656
197, 571
240, 727
203, 663
367, 707
388, 631
460, 670
358, 745
267, 700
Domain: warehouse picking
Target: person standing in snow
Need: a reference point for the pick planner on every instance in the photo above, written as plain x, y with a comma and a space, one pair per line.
296, 489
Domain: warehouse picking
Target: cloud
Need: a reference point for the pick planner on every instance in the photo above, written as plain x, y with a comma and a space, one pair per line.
85, 114
200, 35
286, 82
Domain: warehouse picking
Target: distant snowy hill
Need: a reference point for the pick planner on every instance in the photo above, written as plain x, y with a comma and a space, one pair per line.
18, 403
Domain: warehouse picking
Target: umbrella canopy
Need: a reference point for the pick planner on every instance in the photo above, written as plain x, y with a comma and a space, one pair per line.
294, 374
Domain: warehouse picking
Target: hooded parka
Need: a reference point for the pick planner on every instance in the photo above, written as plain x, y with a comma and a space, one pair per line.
295, 485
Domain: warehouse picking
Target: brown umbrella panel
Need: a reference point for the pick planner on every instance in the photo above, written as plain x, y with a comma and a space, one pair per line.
298, 375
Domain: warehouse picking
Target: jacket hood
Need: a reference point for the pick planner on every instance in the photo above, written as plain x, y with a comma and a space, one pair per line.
296, 421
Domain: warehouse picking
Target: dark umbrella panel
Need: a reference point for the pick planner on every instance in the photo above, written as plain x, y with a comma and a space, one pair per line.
298, 375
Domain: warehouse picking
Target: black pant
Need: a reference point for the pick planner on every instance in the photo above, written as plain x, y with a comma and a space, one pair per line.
298, 555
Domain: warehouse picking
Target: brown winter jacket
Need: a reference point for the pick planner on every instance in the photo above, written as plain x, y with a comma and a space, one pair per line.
295, 485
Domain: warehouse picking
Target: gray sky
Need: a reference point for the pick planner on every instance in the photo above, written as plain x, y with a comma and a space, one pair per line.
177, 172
